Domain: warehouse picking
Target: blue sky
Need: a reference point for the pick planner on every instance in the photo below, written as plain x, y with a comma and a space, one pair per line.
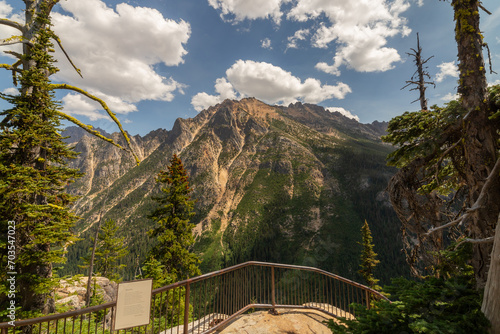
156, 60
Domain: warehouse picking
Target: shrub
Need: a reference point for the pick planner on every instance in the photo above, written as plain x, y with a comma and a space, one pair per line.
433, 305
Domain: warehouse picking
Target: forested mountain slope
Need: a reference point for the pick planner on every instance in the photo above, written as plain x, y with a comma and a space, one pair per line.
284, 184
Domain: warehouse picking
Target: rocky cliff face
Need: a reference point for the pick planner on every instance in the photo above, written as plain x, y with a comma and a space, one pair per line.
289, 184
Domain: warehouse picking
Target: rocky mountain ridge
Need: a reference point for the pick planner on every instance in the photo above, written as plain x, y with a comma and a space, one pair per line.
271, 183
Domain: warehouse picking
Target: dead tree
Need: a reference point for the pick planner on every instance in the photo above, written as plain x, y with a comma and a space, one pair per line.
418, 78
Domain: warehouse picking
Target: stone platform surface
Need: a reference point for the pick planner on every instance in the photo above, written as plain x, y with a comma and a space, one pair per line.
288, 321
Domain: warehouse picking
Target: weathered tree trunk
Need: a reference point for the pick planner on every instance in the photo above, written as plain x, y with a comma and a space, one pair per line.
491, 301
32, 300
480, 137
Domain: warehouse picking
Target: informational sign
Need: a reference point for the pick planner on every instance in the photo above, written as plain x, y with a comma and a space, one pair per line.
133, 304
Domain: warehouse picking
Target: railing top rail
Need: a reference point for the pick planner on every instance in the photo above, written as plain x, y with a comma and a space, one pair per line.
58, 316
265, 264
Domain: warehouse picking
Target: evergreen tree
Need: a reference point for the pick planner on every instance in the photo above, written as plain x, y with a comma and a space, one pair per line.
33, 164
448, 186
34, 173
109, 250
173, 231
368, 257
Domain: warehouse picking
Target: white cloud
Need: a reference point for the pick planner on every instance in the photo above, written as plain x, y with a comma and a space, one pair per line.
116, 51
270, 84
344, 112
6, 31
450, 97
299, 35
445, 70
203, 100
224, 89
266, 44
365, 52
245, 9
11, 91
359, 28
494, 83
5, 9
77, 105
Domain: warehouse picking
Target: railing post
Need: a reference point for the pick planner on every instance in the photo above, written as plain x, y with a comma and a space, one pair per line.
273, 299
186, 308
367, 299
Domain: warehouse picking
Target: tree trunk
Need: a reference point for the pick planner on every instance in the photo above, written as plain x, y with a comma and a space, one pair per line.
491, 301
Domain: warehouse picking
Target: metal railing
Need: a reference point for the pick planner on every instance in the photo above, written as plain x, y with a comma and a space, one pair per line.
209, 302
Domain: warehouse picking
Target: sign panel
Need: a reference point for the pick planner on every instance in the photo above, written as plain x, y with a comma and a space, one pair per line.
133, 304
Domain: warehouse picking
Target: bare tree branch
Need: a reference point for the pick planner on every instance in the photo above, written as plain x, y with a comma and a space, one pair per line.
58, 40
104, 106
13, 24
491, 181
475, 241
489, 58
14, 40
445, 153
485, 10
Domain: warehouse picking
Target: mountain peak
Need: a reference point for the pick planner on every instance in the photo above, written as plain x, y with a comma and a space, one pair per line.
249, 105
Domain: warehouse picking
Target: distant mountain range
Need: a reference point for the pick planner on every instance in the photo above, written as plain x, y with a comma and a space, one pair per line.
283, 184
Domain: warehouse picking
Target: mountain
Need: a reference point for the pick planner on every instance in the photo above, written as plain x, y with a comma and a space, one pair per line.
281, 184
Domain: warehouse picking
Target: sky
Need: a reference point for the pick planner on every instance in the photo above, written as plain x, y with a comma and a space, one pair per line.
153, 61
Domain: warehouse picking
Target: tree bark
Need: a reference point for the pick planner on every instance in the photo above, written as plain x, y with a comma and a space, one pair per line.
479, 147
491, 301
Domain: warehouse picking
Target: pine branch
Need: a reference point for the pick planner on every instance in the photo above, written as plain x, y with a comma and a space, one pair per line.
14, 69
105, 107
89, 129
15, 54
9, 67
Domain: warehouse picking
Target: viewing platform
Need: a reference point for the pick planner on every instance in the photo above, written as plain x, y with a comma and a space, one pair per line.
216, 302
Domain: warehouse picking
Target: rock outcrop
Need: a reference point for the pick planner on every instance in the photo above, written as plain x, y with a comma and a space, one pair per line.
72, 292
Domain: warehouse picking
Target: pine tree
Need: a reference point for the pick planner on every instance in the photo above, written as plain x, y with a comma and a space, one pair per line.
33, 164
173, 231
109, 250
34, 173
368, 257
